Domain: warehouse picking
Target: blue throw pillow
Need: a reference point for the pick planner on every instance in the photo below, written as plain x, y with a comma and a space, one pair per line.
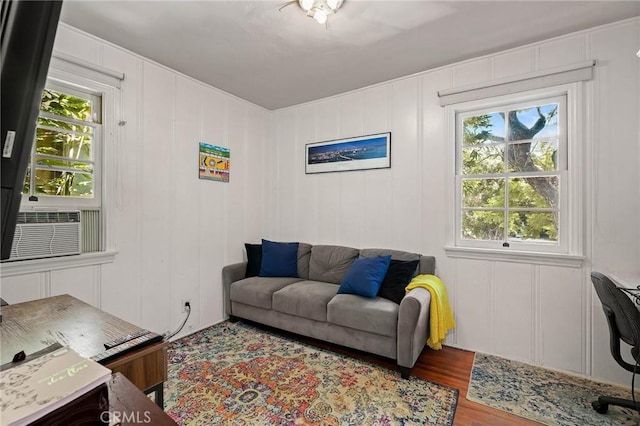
365, 276
279, 259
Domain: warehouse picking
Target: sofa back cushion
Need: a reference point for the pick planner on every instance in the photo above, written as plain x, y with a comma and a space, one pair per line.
304, 254
427, 263
330, 263
395, 254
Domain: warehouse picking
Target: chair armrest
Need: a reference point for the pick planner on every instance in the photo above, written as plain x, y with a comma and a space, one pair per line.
230, 274
413, 326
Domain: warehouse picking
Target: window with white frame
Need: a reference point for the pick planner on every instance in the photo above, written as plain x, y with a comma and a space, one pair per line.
511, 174
63, 170
517, 166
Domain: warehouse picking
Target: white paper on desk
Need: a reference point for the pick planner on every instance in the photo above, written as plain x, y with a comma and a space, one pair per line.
31, 390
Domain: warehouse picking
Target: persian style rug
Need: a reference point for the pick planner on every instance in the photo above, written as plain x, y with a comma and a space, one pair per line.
542, 395
237, 374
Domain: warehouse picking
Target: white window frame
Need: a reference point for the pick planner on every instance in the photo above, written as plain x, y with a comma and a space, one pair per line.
569, 251
69, 202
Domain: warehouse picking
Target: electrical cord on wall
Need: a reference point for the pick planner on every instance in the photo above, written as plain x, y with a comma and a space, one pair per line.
187, 306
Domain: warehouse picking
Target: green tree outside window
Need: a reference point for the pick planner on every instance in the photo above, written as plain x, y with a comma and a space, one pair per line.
62, 162
510, 180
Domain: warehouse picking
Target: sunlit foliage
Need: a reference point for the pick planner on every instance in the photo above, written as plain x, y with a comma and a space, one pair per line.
491, 195
63, 147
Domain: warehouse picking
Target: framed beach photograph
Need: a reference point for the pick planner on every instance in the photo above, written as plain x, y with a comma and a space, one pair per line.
359, 153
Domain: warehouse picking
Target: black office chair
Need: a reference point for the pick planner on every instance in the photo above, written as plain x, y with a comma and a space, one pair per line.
623, 318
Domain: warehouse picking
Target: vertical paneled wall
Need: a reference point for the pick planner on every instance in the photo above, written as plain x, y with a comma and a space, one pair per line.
540, 314
173, 232
615, 174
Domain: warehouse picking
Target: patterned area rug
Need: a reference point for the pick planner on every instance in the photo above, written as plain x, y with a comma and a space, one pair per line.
241, 375
542, 395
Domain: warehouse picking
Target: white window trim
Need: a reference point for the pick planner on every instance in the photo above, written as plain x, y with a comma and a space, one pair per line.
562, 247
536, 258
63, 62
573, 256
48, 202
34, 266
521, 83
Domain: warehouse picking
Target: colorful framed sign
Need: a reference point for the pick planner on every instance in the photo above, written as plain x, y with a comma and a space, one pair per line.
215, 162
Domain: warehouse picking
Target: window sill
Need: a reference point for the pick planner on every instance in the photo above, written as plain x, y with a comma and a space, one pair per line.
22, 267
538, 258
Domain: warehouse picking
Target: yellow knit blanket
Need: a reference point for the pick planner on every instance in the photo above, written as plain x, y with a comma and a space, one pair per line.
441, 319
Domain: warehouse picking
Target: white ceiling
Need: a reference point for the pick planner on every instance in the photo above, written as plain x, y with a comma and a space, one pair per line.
276, 57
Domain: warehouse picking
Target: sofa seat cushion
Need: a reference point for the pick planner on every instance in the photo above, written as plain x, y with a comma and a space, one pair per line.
378, 316
306, 299
258, 291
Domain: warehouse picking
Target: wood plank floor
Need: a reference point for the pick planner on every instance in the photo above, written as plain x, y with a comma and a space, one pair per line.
450, 367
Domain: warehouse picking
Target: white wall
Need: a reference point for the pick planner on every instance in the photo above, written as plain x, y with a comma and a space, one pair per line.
173, 232
540, 314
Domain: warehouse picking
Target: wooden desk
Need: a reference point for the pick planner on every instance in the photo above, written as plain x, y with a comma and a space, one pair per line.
129, 406
32, 326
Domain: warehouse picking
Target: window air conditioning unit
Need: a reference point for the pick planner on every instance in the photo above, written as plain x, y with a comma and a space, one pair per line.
46, 234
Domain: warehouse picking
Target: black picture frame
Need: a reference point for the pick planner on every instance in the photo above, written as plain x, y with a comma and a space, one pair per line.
348, 154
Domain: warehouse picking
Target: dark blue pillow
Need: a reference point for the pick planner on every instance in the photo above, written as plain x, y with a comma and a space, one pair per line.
397, 279
254, 259
279, 259
365, 276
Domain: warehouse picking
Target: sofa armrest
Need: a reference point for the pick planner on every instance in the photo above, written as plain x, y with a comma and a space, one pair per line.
413, 326
230, 274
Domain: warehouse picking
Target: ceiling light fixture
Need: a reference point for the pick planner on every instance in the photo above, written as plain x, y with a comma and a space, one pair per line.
320, 9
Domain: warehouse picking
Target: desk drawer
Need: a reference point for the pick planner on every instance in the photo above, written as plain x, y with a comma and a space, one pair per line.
144, 368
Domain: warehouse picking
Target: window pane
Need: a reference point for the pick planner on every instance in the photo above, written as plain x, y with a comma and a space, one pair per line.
66, 105
538, 128
533, 123
61, 144
530, 156
509, 164
479, 160
533, 226
534, 192
483, 192
483, 129
483, 225
52, 182
64, 125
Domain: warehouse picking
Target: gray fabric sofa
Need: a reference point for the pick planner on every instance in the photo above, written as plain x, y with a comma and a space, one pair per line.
309, 305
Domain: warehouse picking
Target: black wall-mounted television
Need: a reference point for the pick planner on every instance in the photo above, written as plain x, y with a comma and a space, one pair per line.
28, 31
